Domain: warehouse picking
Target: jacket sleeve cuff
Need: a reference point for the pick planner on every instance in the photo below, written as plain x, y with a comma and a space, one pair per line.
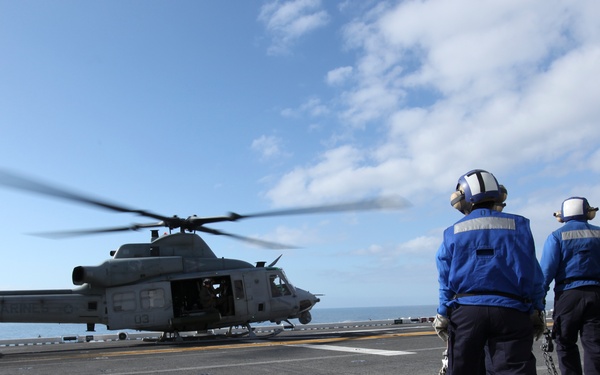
442, 310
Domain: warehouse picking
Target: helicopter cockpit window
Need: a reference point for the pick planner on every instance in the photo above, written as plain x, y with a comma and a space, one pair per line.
124, 301
279, 286
152, 298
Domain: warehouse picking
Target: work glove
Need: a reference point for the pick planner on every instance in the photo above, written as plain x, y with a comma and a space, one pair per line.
440, 324
538, 320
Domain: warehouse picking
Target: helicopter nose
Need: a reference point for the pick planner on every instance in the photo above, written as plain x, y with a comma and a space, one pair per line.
307, 299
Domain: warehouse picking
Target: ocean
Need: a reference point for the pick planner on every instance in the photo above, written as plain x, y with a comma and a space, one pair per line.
319, 315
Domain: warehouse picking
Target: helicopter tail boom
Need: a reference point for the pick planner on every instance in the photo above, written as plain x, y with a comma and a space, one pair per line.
49, 306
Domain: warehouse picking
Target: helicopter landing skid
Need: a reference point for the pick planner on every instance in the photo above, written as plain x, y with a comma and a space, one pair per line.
176, 338
251, 333
171, 337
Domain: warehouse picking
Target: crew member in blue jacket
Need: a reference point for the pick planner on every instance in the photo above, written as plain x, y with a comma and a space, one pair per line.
571, 258
490, 283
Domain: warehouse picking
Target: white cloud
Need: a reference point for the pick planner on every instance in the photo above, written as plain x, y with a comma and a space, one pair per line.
289, 112
313, 107
413, 251
325, 181
339, 75
287, 21
504, 86
269, 147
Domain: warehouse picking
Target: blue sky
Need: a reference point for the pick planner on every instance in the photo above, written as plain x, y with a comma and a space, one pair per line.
189, 107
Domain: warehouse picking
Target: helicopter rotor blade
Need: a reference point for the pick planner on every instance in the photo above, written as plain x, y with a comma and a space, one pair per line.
255, 241
84, 232
192, 223
18, 182
379, 203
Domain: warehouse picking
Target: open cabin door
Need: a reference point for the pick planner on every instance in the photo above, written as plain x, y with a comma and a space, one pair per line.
196, 295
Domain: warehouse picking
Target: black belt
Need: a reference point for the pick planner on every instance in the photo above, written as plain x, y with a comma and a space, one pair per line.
493, 293
569, 280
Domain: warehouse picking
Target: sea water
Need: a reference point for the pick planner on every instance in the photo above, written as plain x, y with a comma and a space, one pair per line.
351, 314
319, 315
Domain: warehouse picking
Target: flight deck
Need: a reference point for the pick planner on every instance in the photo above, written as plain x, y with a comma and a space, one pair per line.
374, 347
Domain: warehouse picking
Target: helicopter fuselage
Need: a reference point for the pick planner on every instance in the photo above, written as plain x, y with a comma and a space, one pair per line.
174, 283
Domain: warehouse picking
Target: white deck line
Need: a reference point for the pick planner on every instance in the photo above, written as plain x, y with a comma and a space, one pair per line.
353, 350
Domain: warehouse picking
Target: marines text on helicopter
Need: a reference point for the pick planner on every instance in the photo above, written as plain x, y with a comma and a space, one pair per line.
172, 284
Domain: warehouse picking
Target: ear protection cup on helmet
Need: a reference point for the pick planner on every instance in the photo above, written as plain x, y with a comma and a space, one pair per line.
499, 204
591, 213
503, 194
558, 217
457, 200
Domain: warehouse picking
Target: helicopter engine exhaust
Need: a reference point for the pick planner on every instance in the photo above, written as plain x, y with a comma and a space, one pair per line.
115, 272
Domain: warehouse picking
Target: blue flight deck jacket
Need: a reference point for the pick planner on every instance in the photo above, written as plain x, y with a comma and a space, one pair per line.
571, 256
488, 258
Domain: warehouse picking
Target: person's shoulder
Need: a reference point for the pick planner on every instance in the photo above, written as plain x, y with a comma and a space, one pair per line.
579, 225
510, 215
520, 220
593, 227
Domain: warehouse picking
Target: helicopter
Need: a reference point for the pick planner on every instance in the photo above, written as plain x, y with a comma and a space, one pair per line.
174, 283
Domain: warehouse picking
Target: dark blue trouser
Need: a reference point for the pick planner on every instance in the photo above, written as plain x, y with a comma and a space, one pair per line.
577, 312
507, 332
